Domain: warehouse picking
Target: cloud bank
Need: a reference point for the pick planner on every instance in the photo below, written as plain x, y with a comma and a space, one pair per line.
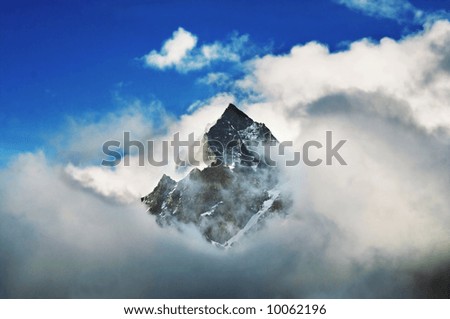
378, 227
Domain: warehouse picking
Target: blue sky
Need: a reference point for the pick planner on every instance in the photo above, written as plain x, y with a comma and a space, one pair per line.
76, 59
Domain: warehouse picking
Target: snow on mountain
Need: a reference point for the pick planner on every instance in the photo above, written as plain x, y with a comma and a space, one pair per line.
233, 194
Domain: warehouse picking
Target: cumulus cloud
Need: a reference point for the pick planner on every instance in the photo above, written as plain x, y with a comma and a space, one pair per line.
181, 52
173, 51
413, 71
377, 227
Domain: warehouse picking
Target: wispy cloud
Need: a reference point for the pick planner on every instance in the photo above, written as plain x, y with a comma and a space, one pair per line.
219, 79
181, 52
400, 10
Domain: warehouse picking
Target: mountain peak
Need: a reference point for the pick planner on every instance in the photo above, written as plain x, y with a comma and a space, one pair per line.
232, 110
234, 136
235, 117
233, 194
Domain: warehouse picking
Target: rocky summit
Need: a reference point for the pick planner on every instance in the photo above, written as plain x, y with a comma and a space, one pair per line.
234, 194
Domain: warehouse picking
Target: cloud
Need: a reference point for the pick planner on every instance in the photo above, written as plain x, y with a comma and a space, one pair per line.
391, 9
82, 139
70, 243
219, 79
173, 51
127, 183
412, 71
216, 101
400, 10
181, 52
377, 227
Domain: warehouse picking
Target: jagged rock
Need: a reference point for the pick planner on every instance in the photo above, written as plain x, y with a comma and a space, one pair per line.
231, 196
236, 138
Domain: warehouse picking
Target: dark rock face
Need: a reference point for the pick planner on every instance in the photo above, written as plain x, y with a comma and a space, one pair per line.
233, 194
236, 138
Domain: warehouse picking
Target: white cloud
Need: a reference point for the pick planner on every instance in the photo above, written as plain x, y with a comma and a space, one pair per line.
83, 137
413, 71
390, 101
181, 52
392, 9
400, 10
173, 51
349, 234
126, 184
217, 101
219, 79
